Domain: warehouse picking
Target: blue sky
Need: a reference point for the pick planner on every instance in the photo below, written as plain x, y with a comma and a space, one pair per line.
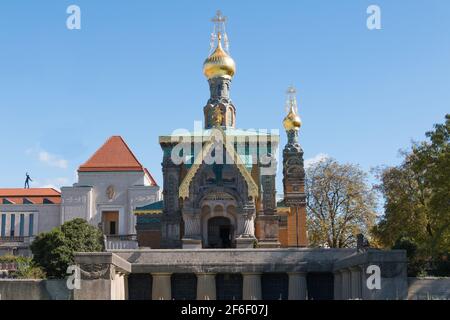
135, 69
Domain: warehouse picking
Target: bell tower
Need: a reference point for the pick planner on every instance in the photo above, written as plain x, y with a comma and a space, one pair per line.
294, 175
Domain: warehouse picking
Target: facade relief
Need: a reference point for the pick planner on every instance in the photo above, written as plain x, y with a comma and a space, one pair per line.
74, 200
110, 192
97, 271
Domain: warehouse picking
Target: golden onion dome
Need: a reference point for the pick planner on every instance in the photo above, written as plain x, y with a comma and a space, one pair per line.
292, 121
219, 64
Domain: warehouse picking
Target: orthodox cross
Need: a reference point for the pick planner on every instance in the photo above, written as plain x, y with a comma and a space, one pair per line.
291, 101
219, 30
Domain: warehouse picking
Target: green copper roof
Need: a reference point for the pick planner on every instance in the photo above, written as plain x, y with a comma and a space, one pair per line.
154, 208
281, 204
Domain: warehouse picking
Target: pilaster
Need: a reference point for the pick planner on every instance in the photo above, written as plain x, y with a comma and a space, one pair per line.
206, 286
297, 286
346, 284
356, 289
162, 286
337, 285
252, 286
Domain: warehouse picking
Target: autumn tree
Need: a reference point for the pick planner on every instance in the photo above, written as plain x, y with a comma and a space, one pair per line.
417, 201
340, 204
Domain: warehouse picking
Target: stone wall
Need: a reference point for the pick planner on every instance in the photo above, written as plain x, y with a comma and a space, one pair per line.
351, 275
234, 261
14, 289
429, 289
105, 272
116, 288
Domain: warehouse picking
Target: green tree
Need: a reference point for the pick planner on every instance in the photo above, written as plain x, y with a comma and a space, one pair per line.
54, 251
417, 198
340, 204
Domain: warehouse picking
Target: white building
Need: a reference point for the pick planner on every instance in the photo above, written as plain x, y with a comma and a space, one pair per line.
111, 184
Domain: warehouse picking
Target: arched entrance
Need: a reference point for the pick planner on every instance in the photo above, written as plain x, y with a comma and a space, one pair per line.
219, 220
220, 233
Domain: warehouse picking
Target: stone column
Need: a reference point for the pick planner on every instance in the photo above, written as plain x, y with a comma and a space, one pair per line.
252, 286
162, 286
337, 285
297, 286
206, 286
355, 275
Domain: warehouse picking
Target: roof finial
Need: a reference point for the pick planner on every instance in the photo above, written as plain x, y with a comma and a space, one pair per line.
219, 31
219, 63
292, 120
291, 101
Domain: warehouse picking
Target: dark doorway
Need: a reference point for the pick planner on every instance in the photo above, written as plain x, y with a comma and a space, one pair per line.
220, 233
229, 286
320, 286
225, 236
184, 286
112, 228
110, 222
140, 286
275, 286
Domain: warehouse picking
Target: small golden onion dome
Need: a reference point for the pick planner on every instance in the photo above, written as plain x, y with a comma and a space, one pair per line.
219, 64
292, 121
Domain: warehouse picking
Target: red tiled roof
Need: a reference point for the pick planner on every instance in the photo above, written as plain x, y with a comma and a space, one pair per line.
114, 155
35, 195
34, 192
153, 181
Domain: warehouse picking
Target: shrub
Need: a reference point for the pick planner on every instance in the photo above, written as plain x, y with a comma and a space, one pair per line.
54, 251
